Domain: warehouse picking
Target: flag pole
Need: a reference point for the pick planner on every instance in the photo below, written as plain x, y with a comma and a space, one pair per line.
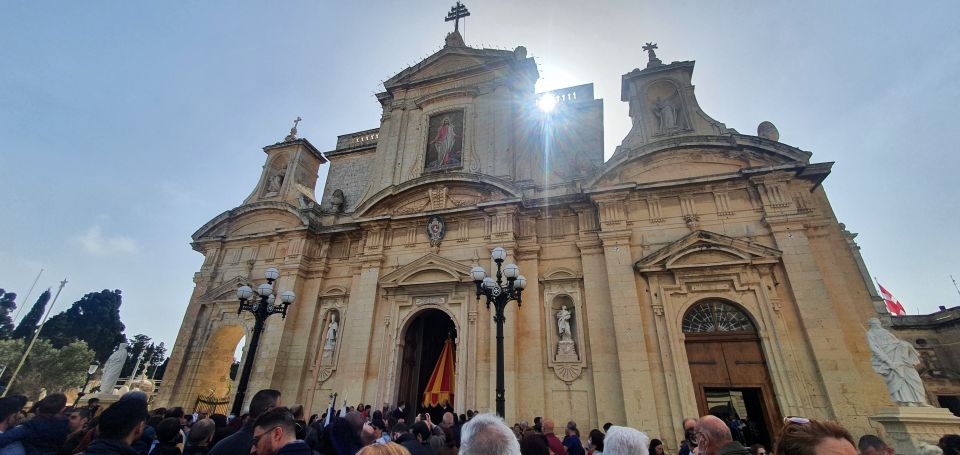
26, 299
36, 334
955, 284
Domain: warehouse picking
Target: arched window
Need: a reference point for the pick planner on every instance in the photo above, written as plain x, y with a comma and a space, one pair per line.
710, 316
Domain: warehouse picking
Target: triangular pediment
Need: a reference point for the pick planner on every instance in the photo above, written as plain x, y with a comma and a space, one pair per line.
428, 269
707, 249
224, 291
449, 61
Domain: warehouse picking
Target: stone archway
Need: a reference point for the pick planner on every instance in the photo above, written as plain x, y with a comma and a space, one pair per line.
730, 375
422, 339
216, 358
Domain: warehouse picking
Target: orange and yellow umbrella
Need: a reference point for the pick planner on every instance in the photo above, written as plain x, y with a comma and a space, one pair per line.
440, 387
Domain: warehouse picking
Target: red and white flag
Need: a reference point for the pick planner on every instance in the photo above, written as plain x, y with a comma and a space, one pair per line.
893, 305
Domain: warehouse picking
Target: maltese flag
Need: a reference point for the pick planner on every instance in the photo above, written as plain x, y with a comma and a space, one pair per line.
893, 305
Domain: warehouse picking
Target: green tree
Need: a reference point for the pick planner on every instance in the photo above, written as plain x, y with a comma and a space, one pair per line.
138, 345
7, 305
95, 319
28, 325
46, 367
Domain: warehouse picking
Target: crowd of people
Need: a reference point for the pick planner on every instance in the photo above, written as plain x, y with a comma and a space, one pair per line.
127, 427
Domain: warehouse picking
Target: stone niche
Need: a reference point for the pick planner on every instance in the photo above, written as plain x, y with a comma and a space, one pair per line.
563, 292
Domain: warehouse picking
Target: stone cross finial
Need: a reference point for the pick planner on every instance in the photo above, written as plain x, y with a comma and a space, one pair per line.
650, 48
293, 131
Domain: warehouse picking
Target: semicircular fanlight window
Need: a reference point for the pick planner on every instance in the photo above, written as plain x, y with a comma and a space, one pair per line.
716, 316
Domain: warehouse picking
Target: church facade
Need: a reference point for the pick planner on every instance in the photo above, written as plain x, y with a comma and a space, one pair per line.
697, 270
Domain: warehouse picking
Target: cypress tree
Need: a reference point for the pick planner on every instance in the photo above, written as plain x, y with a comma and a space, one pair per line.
29, 324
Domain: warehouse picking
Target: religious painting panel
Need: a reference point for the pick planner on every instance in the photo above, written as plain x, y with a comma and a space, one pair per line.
444, 141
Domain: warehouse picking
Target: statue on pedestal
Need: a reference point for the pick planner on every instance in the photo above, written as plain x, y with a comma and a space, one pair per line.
896, 360
563, 323
111, 369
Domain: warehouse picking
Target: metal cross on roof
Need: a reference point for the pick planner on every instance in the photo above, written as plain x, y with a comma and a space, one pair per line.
456, 12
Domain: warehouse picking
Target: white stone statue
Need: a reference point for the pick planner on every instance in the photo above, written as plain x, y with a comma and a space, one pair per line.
111, 370
274, 185
666, 113
896, 360
563, 323
332, 329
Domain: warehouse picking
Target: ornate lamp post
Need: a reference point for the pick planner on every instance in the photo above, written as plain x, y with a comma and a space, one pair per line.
499, 294
83, 390
261, 307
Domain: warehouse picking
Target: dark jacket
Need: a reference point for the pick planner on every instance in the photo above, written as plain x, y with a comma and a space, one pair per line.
342, 438
196, 450
237, 443
573, 445
410, 442
733, 448
296, 448
41, 436
165, 448
109, 447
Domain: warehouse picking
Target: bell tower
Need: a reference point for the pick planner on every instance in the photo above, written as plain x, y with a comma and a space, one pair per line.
290, 171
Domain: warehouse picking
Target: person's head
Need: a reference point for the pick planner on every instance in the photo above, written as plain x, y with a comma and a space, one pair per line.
219, 419
272, 430
390, 448
447, 419
689, 429
369, 434
950, 444
52, 404
811, 437
264, 401
873, 445
534, 444
759, 449
79, 419
624, 441
123, 420
606, 426
712, 433
421, 431
595, 440
398, 429
201, 433
402, 405
546, 426
168, 430
93, 402
175, 413
297, 411
356, 420
656, 447
487, 434
10, 411
928, 449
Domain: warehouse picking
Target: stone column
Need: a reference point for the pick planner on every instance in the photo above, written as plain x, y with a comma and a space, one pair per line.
358, 330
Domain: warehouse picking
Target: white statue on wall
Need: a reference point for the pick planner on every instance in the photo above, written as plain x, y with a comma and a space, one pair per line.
666, 113
563, 323
332, 329
111, 370
896, 360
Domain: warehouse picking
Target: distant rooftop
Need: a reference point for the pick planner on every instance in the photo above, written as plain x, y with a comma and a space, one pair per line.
355, 142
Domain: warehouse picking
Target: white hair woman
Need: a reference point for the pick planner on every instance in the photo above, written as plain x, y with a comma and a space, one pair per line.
625, 441
487, 434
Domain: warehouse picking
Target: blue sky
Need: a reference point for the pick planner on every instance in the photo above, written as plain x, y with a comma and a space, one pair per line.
127, 125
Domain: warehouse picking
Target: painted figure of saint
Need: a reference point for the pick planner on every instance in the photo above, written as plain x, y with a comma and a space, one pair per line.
445, 144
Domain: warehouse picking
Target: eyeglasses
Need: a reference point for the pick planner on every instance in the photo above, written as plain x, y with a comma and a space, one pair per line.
796, 420
256, 437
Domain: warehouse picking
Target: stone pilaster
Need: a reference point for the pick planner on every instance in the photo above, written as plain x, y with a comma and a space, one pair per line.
357, 332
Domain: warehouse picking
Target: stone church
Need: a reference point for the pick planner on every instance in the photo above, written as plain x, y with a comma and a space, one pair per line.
703, 269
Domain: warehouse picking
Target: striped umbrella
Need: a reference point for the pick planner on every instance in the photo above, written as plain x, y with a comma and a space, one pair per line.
440, 387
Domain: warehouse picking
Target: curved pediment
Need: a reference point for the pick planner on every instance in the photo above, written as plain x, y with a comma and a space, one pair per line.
428, 269
694, 157
436, 192
707, 249
248, 219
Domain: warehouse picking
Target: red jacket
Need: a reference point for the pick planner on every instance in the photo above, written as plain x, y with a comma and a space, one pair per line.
555, 445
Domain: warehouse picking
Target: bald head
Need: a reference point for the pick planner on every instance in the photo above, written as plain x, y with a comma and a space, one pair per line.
447, 419
713, 434
547, 426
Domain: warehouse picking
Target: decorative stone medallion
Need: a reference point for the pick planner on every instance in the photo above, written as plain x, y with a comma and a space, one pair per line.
436, 229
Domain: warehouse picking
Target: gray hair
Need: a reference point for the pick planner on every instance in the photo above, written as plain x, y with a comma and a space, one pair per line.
929, 449
625, 441
487, 434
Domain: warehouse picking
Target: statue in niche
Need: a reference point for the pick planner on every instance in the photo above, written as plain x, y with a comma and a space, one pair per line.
273, 186
666, 113
563, 323
332, 329
896, 361
336, 201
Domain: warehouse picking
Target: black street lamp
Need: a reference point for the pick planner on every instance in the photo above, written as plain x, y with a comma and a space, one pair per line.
499, 294
261, 308
83, 390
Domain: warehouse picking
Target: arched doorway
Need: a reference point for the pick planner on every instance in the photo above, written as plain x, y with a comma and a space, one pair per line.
214, 380
729, 371
423, 341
